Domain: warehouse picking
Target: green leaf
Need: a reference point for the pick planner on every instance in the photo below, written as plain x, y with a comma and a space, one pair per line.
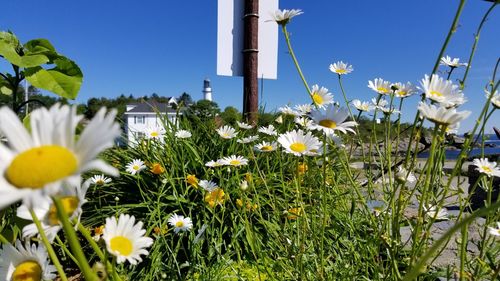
27, 122
11, 50
41, 47
64, 80
5, 87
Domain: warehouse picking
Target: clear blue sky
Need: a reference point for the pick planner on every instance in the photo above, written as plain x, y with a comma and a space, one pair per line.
169, 47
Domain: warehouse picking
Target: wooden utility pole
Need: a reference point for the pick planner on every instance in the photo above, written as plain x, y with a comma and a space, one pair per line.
250, 61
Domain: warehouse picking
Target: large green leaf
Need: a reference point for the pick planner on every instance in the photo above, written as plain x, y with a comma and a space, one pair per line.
11, 50
40, 47
65, 79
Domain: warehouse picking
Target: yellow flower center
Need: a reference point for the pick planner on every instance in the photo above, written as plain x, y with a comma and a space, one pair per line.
122, 245
154, 134
317, 98
235, 162
486, 169
99, 182
328, 123
70, 204
340, 71
266, 148
135, 167
401, 93
436, 93
179, 224
36, 167
298, 147
382, 90
27, 271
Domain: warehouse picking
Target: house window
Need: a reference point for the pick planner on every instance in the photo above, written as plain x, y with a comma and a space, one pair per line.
140, 135
139, 119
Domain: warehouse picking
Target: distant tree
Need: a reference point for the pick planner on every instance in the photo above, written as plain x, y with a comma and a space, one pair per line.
185, 99
203, 110
230, 115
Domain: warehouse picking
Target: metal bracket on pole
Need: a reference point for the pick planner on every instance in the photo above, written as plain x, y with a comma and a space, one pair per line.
251, 15
250, 50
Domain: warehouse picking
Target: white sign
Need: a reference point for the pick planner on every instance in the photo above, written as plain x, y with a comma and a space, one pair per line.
230, 38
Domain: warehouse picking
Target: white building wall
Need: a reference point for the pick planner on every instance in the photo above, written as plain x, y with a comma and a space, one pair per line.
135, 126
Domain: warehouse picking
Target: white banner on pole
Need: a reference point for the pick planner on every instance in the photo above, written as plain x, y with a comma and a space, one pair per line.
230, 38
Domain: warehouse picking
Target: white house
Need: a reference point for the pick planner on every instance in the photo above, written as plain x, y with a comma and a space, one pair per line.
140, 116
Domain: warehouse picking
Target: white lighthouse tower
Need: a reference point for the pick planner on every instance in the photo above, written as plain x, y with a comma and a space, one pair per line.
207, 90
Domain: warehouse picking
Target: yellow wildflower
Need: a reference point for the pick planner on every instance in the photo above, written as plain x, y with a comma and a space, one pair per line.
157, 168
215, 197
192, 180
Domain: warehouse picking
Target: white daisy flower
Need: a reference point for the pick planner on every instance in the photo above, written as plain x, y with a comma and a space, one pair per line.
381, 103
183, 134
442, 91
227, 132
332, 119
341, 68
494, 231
248, 139
234, 160
403, 90
389, 110
298, 143
380, 86
155, 132
37, 163
403, 175
303, 109
180, 223
135, 166
442, 115
320, 96
362, 106
279, 119
266, 146
286, 110
452, 129
72, 198
269, 130
25, 262
431, 212
495, 99
244, 125
100, 180
213, 163
303, 121
453, 63
207, 185
282, 17
484, 166
125, 239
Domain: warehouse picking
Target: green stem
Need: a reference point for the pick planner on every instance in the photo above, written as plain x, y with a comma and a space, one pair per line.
91, 241
476, 40
65, 249
290, 50
452, 30
416, 270
73, 241
3, 239
48, 246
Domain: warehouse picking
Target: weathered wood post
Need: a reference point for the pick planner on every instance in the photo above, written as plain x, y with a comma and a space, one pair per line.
250, 61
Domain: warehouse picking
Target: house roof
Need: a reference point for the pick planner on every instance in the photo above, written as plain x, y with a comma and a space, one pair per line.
151, 107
